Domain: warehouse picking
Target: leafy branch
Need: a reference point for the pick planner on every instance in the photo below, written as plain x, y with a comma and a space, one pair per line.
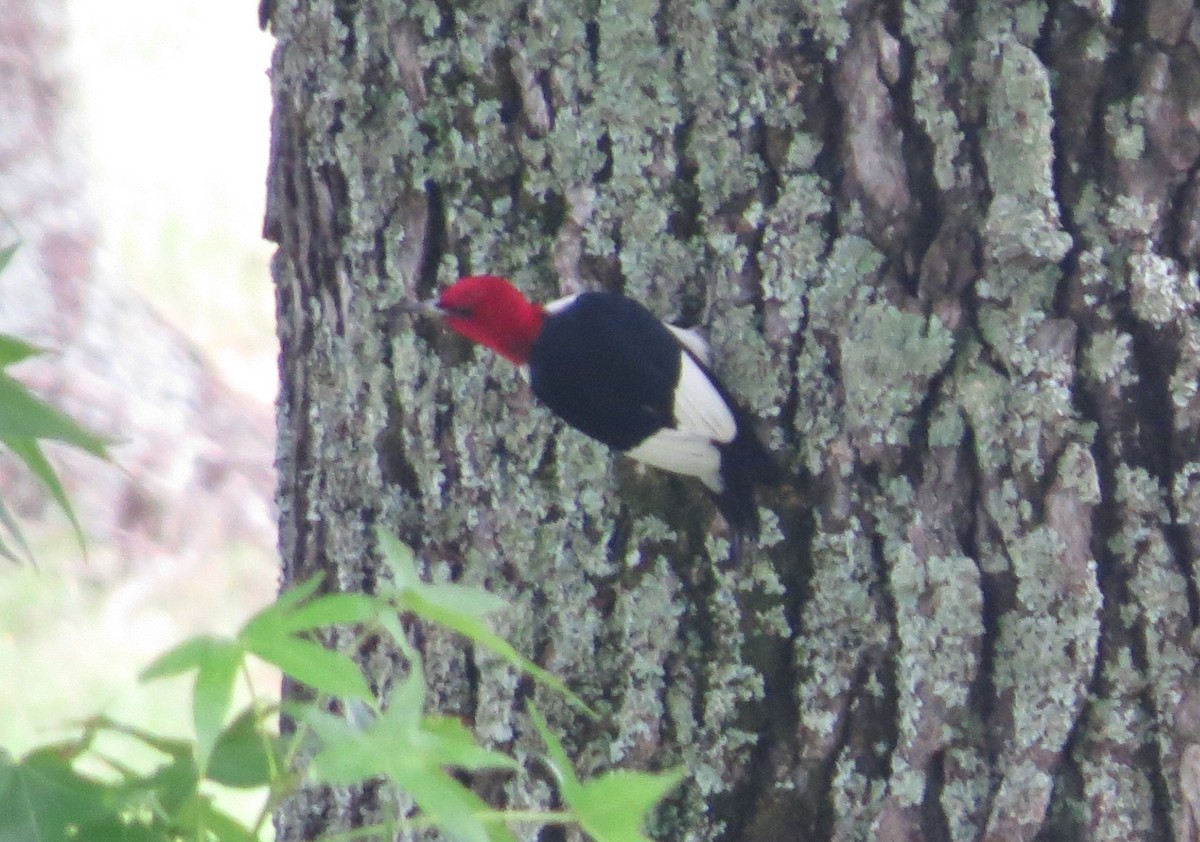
45, 797
26, 420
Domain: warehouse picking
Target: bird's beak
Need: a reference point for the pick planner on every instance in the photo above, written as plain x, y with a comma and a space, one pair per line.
417, 308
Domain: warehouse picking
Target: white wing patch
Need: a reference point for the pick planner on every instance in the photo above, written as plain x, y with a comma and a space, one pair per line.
693, 341
699, 407
681, 453
704, 420
559, 304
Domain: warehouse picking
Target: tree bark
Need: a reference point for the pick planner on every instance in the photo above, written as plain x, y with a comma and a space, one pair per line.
946, 252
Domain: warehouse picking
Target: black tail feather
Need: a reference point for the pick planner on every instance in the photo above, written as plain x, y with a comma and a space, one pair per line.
745, 463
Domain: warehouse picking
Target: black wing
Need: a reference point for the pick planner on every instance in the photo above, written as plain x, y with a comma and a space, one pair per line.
608, 368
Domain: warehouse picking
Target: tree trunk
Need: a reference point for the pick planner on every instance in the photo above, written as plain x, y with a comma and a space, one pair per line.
947, 254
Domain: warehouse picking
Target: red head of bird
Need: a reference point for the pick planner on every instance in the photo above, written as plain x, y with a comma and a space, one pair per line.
491, 311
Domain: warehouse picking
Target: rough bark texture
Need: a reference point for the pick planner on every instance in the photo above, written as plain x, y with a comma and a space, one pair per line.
191, 465
946, 251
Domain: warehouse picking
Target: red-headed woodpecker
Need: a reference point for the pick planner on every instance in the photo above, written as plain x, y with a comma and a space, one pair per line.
605, 365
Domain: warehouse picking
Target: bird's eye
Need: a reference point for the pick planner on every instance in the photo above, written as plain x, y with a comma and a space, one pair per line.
459, 312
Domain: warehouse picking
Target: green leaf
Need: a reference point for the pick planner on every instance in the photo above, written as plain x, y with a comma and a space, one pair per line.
168, 788
8, 524
245, 755
272, 620
175, 785
558, 759
614, 806
170, 746
477, 630
12, 349
475, 602
413, 750
413, 755
270, 634
455, 809
461, 609
24, 420
399, 558
322, 669
188, 655
30, 452
330, 610
339, 761
6, 254
211, 696
199, 819
137, 827
286, 601
406, 704
24, 416
217, 662
451, 743
224, 827
462, 599
44, 798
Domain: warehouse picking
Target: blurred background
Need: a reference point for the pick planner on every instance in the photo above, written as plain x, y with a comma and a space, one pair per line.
175, 106
133, 152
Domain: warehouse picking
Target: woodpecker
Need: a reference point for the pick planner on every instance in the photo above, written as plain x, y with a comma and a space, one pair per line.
610, 369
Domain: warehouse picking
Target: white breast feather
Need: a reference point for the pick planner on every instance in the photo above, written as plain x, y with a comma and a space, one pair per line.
703, 420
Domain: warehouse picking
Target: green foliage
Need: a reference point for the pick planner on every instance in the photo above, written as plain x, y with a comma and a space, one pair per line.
612, 806
47, 796
462, 609
25, 420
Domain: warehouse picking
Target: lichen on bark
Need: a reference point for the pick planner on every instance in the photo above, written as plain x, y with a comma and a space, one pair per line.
926, 258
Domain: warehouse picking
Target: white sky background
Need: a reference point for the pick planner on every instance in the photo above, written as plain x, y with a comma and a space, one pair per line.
175, 108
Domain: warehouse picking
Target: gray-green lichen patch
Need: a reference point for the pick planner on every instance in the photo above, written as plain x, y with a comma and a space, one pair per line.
792, 247
1125, 123
937, 602
646, 619
857, 798
1021, 421
831, 20
1025, 427
1020, 802
1113, 732
842, 625
887, 356
1160, 610
1156, 288
1133, 219
1023, 219
750, 362
935, 67
1117, 798
887, 361
946, 427
967, 788
1159, 588
1108, 358
1185, 379
1185, 491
